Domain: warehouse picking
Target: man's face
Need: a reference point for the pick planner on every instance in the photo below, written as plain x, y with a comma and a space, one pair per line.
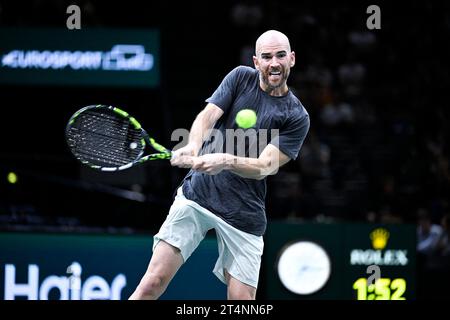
274, 61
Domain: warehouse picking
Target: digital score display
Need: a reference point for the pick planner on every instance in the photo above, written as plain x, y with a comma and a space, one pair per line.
381, 261
348, 261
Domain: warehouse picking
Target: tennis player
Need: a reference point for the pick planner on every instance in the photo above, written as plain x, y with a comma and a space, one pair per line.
226, 192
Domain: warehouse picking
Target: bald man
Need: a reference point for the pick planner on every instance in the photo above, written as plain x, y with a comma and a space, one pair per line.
225, 190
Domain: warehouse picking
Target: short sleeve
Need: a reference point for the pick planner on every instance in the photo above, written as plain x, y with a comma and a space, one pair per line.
225, 94
292, 135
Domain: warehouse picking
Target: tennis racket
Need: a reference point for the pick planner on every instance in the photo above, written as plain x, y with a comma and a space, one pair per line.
109, 139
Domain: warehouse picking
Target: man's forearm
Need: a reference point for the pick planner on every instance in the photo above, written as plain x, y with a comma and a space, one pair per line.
197, 133
250, 168
204, 121
266, 164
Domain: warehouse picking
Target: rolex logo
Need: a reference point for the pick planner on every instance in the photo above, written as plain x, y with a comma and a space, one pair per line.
379, 238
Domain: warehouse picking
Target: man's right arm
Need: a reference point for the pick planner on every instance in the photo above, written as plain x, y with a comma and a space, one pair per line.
204, 121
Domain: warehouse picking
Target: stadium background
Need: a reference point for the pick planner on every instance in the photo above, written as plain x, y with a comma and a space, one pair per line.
377, 152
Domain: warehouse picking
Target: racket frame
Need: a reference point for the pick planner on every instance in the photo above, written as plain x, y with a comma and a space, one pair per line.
163, 153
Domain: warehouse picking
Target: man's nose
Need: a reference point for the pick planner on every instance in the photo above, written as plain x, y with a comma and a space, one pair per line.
274, 61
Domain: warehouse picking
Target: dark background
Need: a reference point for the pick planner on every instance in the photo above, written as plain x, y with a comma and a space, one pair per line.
382, 156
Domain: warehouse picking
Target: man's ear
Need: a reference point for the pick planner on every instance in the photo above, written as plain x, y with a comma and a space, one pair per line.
255, 62
292, 59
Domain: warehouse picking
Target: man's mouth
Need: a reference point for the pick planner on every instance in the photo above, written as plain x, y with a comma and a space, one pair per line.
274, 76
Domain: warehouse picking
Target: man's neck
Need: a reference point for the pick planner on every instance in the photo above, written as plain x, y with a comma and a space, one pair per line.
276, 92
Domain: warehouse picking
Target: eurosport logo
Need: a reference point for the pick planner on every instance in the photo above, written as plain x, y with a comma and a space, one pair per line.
122, 57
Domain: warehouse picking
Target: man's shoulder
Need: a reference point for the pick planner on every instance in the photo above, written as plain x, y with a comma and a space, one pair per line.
244, 71
296, 106
244, 76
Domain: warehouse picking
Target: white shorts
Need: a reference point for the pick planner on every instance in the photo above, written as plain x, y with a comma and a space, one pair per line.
186, 226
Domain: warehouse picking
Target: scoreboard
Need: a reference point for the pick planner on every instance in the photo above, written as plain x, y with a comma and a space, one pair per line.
348, 261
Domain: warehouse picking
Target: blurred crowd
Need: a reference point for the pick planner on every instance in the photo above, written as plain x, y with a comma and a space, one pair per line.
378, 146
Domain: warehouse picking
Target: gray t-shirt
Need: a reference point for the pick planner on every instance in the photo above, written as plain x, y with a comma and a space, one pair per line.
241, 201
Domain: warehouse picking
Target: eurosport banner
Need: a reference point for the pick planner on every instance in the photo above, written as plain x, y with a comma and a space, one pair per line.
86, 57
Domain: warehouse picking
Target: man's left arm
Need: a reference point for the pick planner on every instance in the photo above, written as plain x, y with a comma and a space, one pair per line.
269, 161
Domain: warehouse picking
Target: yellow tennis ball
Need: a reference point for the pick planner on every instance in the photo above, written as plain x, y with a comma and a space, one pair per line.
246, 118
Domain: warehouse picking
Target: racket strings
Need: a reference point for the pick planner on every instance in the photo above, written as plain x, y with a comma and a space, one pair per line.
104, 139
110, 126
101, 153
104, 151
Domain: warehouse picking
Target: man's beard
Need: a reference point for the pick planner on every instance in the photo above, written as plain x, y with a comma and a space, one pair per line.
264, 76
